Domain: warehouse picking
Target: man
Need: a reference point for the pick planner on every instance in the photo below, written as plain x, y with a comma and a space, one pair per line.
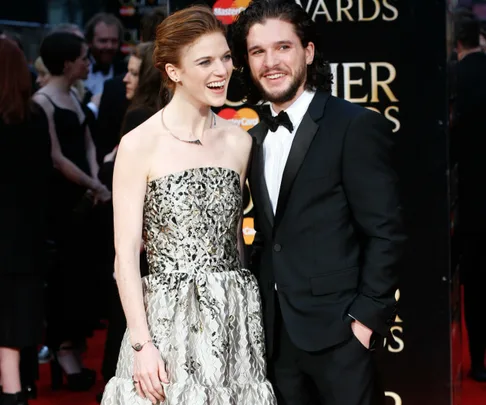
468, 128
104, 33
326, 211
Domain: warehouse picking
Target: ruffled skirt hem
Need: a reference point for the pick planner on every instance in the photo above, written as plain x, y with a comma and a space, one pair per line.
121, 391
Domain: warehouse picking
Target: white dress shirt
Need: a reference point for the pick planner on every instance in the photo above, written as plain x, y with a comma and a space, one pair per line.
95, 84
96, 81
276, 147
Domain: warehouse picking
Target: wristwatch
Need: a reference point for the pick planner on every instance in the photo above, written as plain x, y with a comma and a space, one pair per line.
139, 346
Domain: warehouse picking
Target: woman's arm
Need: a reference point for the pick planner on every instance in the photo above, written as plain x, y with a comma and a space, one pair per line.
91, 153
68, 169
129, 185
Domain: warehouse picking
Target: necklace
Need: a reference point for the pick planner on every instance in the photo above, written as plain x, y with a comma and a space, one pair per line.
193, 142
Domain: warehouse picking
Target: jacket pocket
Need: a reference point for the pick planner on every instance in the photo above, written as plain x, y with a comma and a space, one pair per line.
346, 279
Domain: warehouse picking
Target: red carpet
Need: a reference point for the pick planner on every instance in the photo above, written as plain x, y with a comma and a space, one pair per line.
93, 360
473, 393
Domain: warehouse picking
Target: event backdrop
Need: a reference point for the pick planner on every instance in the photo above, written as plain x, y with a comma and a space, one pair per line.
391, 57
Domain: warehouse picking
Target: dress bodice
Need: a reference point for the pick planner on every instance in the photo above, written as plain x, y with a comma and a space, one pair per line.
191, 219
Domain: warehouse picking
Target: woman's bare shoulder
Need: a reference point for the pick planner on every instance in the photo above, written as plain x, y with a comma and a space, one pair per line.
234, 132
143, 138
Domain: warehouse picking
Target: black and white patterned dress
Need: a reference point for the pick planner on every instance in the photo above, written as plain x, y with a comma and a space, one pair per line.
203, 309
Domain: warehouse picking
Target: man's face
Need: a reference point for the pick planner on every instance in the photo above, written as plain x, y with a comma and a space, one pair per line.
105, 43
278, 61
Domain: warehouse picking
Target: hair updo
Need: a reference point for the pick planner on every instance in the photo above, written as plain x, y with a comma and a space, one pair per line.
177, 31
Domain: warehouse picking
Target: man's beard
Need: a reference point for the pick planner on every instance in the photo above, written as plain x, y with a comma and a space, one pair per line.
103, 57
287, 94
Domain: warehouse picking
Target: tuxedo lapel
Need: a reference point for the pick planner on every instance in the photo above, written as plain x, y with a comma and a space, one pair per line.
300, 145
260, 191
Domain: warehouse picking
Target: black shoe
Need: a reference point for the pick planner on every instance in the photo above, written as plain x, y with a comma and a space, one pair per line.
478, 374
13, 399
82, 381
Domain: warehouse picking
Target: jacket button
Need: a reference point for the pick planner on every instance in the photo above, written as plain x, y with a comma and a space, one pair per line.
277, 247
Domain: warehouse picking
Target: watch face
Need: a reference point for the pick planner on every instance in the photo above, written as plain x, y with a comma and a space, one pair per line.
137, 347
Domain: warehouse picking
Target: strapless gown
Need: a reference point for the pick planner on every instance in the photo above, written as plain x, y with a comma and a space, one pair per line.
203, 308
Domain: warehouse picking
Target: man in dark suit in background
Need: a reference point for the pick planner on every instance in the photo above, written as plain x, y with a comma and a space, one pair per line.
468, 146
327, 215
114, 104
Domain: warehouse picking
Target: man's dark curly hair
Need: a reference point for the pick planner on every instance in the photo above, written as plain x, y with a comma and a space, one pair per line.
319, 76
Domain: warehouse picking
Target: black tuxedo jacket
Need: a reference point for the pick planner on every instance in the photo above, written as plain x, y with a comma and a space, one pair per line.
113, 106
332, 248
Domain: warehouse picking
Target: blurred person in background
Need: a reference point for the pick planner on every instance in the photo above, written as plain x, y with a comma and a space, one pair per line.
78, 85
25, 165
104, 34
143, 82
468, 126
43, 74
114, 104
65, 55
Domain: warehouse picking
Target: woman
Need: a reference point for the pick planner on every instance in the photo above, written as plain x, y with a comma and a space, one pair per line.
65, 56
43, 74
142, 83
25, 166
194, 331
143, 87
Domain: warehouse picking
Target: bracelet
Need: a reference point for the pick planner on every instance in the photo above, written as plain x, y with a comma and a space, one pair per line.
139, 346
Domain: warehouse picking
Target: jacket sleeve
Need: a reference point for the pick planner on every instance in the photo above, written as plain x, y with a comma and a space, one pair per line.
370, 184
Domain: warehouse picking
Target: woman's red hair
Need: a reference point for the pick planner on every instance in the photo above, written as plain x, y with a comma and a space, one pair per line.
15, 83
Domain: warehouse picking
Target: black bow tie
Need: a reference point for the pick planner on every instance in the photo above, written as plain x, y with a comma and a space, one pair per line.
97, 67
274, 122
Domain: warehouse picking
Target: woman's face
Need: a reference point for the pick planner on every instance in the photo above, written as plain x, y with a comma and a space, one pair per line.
205, 70
42, 78
79, 69
131, 78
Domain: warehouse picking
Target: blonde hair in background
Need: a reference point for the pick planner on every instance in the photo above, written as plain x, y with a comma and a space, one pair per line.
40, 67
78, 86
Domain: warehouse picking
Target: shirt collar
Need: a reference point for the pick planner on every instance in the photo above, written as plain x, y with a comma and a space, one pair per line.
298, 108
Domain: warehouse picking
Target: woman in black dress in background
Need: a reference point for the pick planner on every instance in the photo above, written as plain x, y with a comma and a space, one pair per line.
25, 165
65, 55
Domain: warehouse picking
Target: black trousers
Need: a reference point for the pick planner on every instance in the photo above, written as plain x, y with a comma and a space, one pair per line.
473, 268
342, 375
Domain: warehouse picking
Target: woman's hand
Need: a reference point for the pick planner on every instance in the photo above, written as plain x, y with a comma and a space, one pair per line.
148, 373
101, 193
